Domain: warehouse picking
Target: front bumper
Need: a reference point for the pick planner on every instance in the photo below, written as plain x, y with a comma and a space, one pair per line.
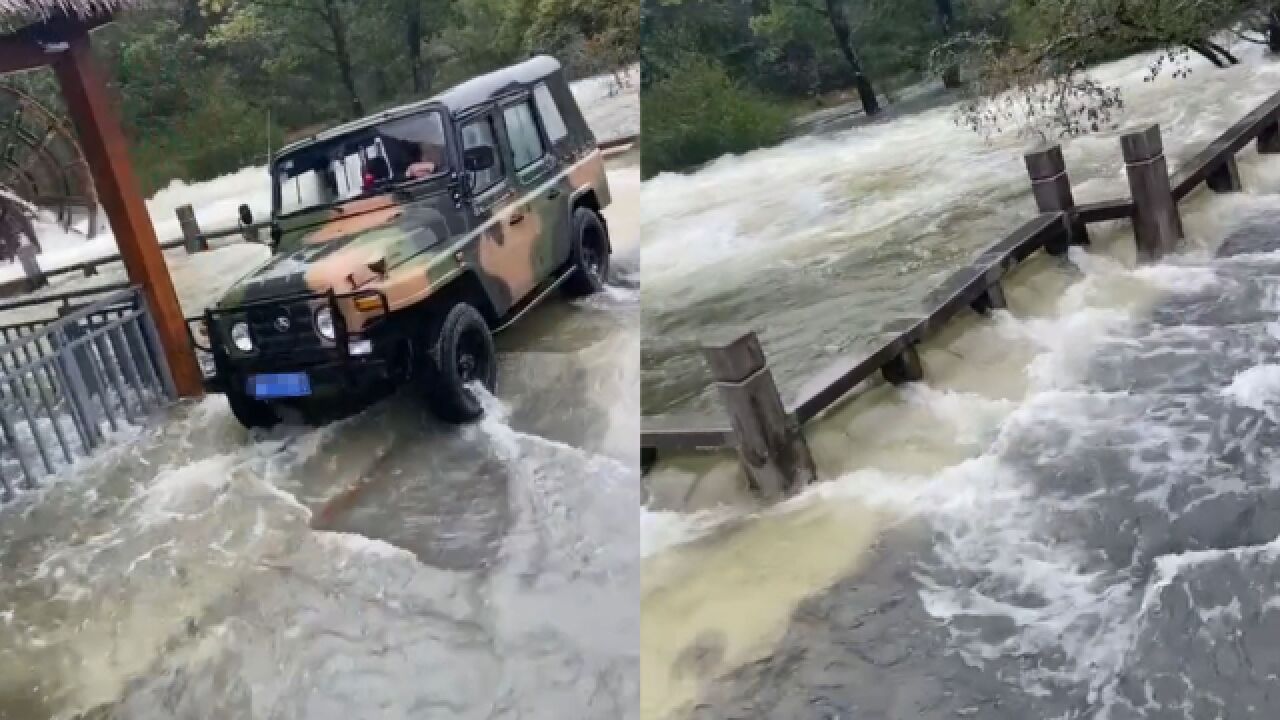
327, 380
329, 364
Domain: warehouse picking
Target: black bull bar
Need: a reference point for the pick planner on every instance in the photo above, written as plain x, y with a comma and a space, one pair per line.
217, 332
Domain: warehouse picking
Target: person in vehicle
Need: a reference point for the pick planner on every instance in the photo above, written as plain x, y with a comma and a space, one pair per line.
427, 161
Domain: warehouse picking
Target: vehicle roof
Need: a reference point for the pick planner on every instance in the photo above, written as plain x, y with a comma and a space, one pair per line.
456, 100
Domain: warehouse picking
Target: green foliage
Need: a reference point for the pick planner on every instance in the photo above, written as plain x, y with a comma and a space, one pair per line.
785, 49
1035, 79
1024, 63
699, 113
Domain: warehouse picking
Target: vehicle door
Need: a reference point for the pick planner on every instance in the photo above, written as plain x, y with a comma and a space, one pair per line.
560, 194
501, 244
430, 204
535, 172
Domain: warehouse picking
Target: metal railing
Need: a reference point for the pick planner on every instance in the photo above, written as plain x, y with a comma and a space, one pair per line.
67, 381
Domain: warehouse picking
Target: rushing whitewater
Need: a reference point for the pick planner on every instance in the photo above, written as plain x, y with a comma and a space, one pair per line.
382, 566
816, 242
1073, 517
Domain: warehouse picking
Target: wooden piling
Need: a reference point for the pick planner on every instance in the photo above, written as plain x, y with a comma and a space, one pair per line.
1226, 177
1269, 139
905, 367
193, 240
1051, 187
991, 299
31, 267
1157, 227
770, 443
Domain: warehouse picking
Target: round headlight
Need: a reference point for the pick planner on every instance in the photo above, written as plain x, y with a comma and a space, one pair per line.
240, 337
324, 323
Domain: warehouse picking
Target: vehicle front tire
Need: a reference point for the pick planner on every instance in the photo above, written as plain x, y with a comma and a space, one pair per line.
589, 257
459, 351
251, 412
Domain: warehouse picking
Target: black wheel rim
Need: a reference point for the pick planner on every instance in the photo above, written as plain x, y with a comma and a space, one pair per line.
472, 358
593, 256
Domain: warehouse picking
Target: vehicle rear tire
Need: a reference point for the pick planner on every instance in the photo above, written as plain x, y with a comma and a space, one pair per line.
459, 351
589, 256
251, 412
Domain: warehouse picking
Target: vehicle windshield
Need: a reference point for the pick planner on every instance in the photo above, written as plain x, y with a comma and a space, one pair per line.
366, 161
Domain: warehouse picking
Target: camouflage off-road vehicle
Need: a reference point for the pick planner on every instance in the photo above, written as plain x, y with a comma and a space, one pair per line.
403, 241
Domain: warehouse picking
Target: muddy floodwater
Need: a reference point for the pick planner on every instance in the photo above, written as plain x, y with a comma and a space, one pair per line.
384, 566
1073, 516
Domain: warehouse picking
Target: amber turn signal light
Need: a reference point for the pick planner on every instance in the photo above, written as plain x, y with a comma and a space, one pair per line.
368, 303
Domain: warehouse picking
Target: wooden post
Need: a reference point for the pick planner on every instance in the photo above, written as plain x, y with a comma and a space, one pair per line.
106, 150
991, 299
192, 239
905, 367
31, 267
1157, 227
1226, 177
770, 442
1269, 139
1052, 190
648, 458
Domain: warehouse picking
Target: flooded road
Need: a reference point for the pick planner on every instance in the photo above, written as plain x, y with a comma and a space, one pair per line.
383, 566
1072, 517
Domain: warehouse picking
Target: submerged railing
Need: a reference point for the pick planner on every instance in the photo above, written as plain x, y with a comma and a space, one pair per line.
767, 433
68, 380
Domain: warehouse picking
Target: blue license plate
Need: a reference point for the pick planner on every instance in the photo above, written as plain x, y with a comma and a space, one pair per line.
279, 385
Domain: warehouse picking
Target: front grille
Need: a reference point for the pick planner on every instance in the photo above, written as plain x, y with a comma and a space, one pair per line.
299, 344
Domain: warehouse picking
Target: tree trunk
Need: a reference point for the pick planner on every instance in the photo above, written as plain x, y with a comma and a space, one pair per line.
946, 21
840, 26
413, 44
342, 54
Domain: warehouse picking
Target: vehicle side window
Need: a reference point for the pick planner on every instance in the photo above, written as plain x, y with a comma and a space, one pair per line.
415, 146
522, 131
479, 133
551, 120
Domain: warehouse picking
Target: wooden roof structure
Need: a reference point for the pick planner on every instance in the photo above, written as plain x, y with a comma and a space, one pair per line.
55, 33
25, 12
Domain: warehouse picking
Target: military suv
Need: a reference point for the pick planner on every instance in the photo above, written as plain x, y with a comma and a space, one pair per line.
403, 241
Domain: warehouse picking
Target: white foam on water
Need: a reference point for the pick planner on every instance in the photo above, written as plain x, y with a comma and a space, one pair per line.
1257, 387
662, 530
867, 214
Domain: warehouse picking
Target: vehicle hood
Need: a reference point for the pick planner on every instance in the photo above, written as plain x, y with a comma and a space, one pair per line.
334, 249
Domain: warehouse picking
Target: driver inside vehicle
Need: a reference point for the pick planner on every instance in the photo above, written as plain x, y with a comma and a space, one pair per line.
428, 159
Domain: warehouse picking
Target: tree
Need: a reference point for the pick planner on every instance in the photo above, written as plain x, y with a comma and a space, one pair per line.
844, 38
423, 22
946, 27
788, 20
319, 26
1037, 78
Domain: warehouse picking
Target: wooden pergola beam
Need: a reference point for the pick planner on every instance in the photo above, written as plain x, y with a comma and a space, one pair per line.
37, 45
107, 153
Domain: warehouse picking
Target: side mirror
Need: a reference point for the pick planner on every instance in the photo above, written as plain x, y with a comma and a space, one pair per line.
276, 234
479, 158
246, 215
